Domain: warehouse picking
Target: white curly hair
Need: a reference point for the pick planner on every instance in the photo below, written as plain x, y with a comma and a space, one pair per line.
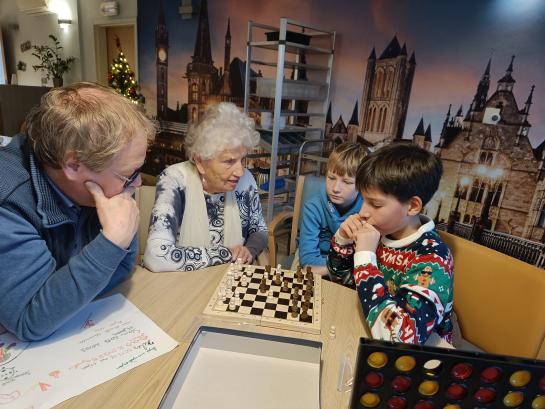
223, 126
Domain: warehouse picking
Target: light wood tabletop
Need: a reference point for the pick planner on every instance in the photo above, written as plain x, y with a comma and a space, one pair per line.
175, 301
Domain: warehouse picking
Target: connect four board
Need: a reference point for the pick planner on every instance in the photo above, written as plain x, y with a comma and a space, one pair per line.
268, 296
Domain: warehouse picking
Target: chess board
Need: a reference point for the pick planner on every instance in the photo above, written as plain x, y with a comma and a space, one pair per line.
271, 308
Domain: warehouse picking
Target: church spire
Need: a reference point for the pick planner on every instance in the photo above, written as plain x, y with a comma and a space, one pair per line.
428, 133
506, 82
447, 118
479, 101
373, 55
420, 128
227, 58
328, 119
392, 50
203, 50
529, 101
354, 118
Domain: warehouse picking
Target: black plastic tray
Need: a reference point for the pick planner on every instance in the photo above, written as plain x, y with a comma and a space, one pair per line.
449, 358
291, 37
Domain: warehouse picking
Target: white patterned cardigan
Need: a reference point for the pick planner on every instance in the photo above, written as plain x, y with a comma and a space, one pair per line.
162, 253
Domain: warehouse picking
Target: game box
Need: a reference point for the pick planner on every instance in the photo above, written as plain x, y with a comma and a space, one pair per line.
231, 369
399, 376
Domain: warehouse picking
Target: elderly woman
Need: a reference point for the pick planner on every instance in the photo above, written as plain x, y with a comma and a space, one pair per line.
207, 209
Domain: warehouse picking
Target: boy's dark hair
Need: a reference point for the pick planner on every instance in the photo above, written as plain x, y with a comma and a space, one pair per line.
402, 170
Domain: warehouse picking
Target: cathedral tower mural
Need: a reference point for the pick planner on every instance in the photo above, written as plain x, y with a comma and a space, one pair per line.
386, 93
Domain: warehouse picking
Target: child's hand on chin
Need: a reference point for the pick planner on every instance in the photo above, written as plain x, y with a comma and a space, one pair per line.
367, 237
348, 228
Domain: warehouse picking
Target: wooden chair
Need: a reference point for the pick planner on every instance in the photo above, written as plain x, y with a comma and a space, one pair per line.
145, 198
499, 300
289, 222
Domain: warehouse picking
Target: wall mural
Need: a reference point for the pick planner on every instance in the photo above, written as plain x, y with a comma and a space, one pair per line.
464, 79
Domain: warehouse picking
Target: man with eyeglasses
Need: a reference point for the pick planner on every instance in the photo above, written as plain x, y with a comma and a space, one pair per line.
68, 216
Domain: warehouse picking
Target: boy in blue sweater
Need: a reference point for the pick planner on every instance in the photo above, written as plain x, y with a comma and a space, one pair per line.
322, 215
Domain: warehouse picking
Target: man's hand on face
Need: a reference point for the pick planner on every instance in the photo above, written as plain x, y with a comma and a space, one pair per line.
118, 215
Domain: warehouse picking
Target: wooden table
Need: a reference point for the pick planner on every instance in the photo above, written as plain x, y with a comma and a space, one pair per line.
175, 301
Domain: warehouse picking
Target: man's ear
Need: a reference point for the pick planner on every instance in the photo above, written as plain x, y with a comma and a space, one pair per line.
415, 206
71, 167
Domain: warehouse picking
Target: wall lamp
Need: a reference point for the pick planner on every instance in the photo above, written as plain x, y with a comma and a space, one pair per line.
64, 23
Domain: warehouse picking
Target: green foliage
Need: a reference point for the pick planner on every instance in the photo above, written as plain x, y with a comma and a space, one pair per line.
50, 58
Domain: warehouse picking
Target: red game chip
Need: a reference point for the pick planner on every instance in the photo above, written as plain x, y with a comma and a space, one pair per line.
373, 380
423, 404
492, 374
401, 384
461, 371
456, 392
397, 402
485, 395
542, 384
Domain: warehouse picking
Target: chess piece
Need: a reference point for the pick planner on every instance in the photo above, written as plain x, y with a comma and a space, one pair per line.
244, 281
279, 267
299, 275
262, 285
294, 310
332, 332
232, 304
304, 313
307, 296
285, 285
268, 268
309, 276
277, 279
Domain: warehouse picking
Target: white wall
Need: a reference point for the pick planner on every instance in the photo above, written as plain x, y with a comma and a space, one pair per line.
78, 40
36, 29
90, 9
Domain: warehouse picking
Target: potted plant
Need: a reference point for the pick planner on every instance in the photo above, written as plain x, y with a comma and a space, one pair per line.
51, 62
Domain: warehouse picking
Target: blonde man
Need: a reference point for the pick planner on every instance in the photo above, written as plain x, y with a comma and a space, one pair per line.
68, 217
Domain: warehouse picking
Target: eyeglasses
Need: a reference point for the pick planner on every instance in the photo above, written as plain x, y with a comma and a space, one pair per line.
128, 180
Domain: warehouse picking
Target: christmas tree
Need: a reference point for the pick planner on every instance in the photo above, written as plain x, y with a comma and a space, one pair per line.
121, 77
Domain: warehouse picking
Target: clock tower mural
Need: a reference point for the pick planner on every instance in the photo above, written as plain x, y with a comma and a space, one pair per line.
161, 48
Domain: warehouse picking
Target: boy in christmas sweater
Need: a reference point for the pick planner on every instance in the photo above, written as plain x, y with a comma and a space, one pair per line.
404, 279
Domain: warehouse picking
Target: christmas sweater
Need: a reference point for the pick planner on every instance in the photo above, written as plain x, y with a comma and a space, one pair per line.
405, 288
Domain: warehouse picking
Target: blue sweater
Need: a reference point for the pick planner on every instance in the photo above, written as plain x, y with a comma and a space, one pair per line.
43, 280
320, 219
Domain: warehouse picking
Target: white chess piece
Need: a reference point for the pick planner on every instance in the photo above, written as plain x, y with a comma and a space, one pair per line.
232, 304
244, 281
332, 332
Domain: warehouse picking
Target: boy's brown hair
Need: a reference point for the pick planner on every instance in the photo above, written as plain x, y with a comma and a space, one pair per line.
346, 158
401, 169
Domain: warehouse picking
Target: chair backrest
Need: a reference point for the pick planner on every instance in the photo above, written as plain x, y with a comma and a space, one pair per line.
280, 225
307, 186
145, 198
499, 300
